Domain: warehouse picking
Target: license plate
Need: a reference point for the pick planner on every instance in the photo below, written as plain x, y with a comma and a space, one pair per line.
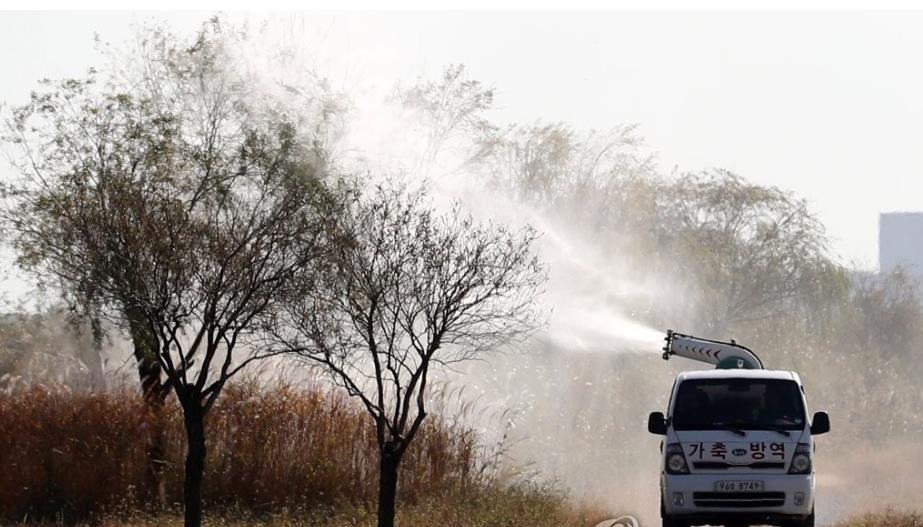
738, 486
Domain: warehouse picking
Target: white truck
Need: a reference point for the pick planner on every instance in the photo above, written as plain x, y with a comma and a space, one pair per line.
738, 447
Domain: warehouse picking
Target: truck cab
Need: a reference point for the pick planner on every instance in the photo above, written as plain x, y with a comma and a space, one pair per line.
738, 448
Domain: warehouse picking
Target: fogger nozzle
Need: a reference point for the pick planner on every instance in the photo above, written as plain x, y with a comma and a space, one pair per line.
666, 347
723, 354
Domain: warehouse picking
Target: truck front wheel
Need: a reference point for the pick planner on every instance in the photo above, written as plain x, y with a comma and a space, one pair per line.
669, 521
807, 522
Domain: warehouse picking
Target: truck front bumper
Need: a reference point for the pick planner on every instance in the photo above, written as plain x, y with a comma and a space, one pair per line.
693, 496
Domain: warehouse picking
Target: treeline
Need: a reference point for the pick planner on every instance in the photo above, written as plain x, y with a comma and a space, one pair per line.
724, 257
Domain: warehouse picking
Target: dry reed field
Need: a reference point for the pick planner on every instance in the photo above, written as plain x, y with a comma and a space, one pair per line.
276, 456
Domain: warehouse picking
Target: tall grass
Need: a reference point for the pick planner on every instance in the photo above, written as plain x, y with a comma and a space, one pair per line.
516, 506
76, 457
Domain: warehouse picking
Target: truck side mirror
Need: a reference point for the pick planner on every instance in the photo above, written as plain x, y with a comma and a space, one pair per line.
820, 424
656, 424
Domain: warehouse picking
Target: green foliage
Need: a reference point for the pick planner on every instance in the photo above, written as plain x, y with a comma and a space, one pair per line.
750, 251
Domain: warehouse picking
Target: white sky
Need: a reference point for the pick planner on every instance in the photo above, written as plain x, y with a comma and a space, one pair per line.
827, 104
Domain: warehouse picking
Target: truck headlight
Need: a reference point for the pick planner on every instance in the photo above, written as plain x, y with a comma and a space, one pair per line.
676, 461
801, 461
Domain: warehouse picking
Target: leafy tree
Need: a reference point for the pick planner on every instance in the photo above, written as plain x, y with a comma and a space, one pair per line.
750, 250
214, 274
551, 165
452, 111
406, 291
886, 313
79, 150
176, 203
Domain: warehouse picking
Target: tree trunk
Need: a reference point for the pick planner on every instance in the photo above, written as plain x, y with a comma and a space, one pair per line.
92, 356
387, 484
195, 462
146, 347
156, 451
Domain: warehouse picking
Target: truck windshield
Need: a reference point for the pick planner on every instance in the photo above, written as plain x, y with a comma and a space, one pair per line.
745, 404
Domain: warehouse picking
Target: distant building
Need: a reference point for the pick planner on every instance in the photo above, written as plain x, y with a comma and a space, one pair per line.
900, 242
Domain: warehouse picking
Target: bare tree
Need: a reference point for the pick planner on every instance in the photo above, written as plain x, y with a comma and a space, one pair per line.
407, 291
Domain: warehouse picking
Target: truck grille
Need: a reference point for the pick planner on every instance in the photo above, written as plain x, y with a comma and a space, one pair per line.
738, 499
720, 465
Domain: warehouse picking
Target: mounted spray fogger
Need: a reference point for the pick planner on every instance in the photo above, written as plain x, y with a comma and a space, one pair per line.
725, 355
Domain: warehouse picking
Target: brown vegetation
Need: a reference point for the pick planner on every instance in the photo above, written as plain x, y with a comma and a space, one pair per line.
77, 457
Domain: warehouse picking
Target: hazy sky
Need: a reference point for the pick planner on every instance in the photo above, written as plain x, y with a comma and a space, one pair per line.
826, 104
